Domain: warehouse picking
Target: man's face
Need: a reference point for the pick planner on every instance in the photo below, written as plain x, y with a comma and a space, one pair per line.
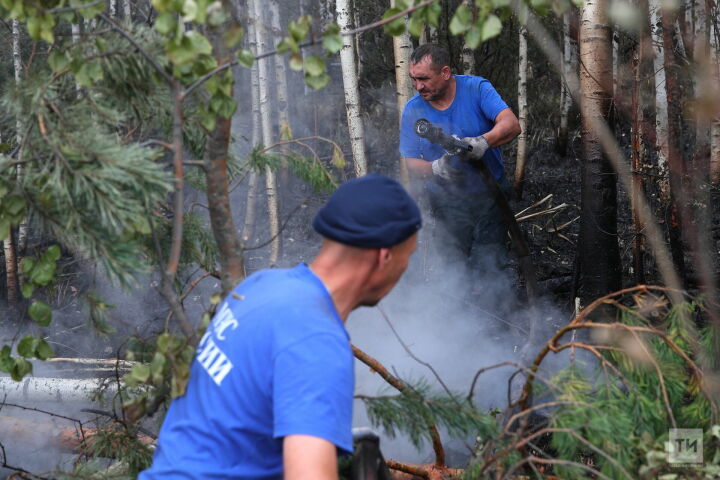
390, 275
430, 83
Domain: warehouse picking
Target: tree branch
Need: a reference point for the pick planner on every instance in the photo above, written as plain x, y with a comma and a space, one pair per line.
168, 78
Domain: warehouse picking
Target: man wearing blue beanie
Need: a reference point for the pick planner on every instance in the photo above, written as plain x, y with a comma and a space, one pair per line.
271, 388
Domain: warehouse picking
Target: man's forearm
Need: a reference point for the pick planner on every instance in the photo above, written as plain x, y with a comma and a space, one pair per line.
309, 458
506, 128
418, 167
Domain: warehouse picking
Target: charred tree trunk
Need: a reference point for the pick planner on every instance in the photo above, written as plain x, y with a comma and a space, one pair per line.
598, 250
282, 92
352, 93
522, 113
661, 101
676, 164
638, 190
715, 127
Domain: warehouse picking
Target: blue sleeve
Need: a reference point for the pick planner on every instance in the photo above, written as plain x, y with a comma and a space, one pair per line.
489, 101
313, 390
410, 144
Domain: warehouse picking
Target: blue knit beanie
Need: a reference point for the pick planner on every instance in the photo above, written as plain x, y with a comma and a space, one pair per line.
373, 211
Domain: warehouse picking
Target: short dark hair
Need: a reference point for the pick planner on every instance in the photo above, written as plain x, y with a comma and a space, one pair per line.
439, 56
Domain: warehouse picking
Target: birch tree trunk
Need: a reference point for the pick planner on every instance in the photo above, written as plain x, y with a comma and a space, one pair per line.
569, 70
282, 91
265, 114
468, 55
402, 48
661, 100
112, 8
352, 92
11, 260
251, 203
522, 112
598, 250
127, 10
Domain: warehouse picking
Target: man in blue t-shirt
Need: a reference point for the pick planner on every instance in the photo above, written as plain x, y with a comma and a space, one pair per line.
271, 387
469, 108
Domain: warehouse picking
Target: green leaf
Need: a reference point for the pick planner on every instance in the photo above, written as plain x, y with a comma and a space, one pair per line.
33, 27
43, 351
6, 360
296, 62
26, 346
461, 21
332, 40
491, 28
338, 159
140, 372
416, 25
299, 29
166, 23
191, 45
27, 289
27, 264
14, 204
52, 253
314, 65
245, 58
317, 82
47, 23
286, 131
91, 11
501, 3
41, 313
43, 273
472, 37
21, 368
233, 35
58, 60
4, 228
287, 44
397, 26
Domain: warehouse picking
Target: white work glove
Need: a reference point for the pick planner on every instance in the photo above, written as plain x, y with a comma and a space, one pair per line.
479, 144
443, 169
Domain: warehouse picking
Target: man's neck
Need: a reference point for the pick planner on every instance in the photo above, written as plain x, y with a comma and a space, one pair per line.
447, 99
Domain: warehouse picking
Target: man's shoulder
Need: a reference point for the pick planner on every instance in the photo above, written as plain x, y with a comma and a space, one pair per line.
471, 81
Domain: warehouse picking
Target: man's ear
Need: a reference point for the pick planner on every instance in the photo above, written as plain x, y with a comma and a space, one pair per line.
384, 257
446, 72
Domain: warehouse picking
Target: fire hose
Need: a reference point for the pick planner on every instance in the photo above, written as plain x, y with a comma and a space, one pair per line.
455, 146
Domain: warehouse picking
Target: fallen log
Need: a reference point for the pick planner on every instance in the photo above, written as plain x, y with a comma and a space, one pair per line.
46, 389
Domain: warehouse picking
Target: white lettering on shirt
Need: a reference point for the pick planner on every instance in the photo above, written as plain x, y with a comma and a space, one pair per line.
223, 320
213, 360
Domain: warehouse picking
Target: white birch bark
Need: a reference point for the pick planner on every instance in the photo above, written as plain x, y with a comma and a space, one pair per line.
265, 114
615, 62
127, 10
661, 107
13, 251
112, 8
402, 48
352, 92
280, 72
703, 80
522, 110
569, 58
251, 202
468, 56
75, 31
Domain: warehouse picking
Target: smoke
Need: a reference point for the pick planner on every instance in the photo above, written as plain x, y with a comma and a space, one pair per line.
438, 314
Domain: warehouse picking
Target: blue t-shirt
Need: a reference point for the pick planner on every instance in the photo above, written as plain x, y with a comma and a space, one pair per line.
471, 114
275, 361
